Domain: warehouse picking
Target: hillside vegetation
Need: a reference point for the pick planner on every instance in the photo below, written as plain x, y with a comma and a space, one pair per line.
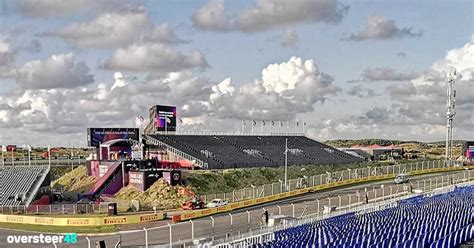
160, 195
208, 182
433, 150
76, 180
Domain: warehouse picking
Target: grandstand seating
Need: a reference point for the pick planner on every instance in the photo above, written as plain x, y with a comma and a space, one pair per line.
225, 151
16, 183
445, 220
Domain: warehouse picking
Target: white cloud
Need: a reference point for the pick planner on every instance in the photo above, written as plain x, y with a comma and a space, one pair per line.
284, 90
154, 57
162, 34
119, 81
56, 8
4, 45
6, 57
416, 108
211, 16
462, 59
9, 53
381, 28
50, 8
106, 30
58, 71
287, 90
267, 14
118, 28
423, 99
359, 91
65, 112
385, 74
223, 89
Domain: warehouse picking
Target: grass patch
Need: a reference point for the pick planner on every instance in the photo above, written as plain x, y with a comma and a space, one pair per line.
58, 171
208, 182
59, 229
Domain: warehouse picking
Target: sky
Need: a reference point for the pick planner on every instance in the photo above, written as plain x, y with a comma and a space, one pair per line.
348, 69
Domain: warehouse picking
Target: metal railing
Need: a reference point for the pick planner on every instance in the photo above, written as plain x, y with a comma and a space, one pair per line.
237, 133
246, 224
328, 177
249, 192
443, 185
58, 161
51, 209
36, 186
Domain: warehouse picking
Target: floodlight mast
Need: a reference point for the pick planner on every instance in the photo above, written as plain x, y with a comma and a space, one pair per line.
450, 104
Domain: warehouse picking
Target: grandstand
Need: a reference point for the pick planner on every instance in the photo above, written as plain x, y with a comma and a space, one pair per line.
444, 220
232, 151
19, 185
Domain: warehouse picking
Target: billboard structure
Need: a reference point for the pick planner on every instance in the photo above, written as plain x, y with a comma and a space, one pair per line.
97, 136
470, 149
162, 119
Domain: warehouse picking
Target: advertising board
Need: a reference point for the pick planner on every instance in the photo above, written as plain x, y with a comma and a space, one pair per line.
97, 136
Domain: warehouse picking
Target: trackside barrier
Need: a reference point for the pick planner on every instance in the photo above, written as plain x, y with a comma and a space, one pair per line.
251, 202
97, 221
313, 180
252, 237
228, 230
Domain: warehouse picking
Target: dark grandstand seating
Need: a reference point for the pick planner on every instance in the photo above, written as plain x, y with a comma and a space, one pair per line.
444, 220
223, 151
16, 183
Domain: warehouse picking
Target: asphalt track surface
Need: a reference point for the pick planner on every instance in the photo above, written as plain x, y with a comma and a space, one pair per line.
243, 220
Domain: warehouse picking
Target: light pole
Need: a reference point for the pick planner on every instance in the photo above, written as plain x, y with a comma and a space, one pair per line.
72, 158
29, 155
23, 153
49, 156
286, 164
451, 104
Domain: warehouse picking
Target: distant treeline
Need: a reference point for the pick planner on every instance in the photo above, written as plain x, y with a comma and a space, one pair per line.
385, 142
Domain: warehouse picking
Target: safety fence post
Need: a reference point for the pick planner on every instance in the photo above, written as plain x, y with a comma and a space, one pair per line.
192, 229
212, 222
231, 223
146, 237
88, 242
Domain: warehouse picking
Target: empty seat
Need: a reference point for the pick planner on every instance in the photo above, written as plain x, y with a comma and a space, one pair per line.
445, 220
227, 151
16, 182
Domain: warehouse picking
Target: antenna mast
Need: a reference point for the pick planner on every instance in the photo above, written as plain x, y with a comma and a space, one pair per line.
450, 104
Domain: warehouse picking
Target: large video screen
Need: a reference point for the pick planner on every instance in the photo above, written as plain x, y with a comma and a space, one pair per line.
165, 118
97, 136
470, 149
